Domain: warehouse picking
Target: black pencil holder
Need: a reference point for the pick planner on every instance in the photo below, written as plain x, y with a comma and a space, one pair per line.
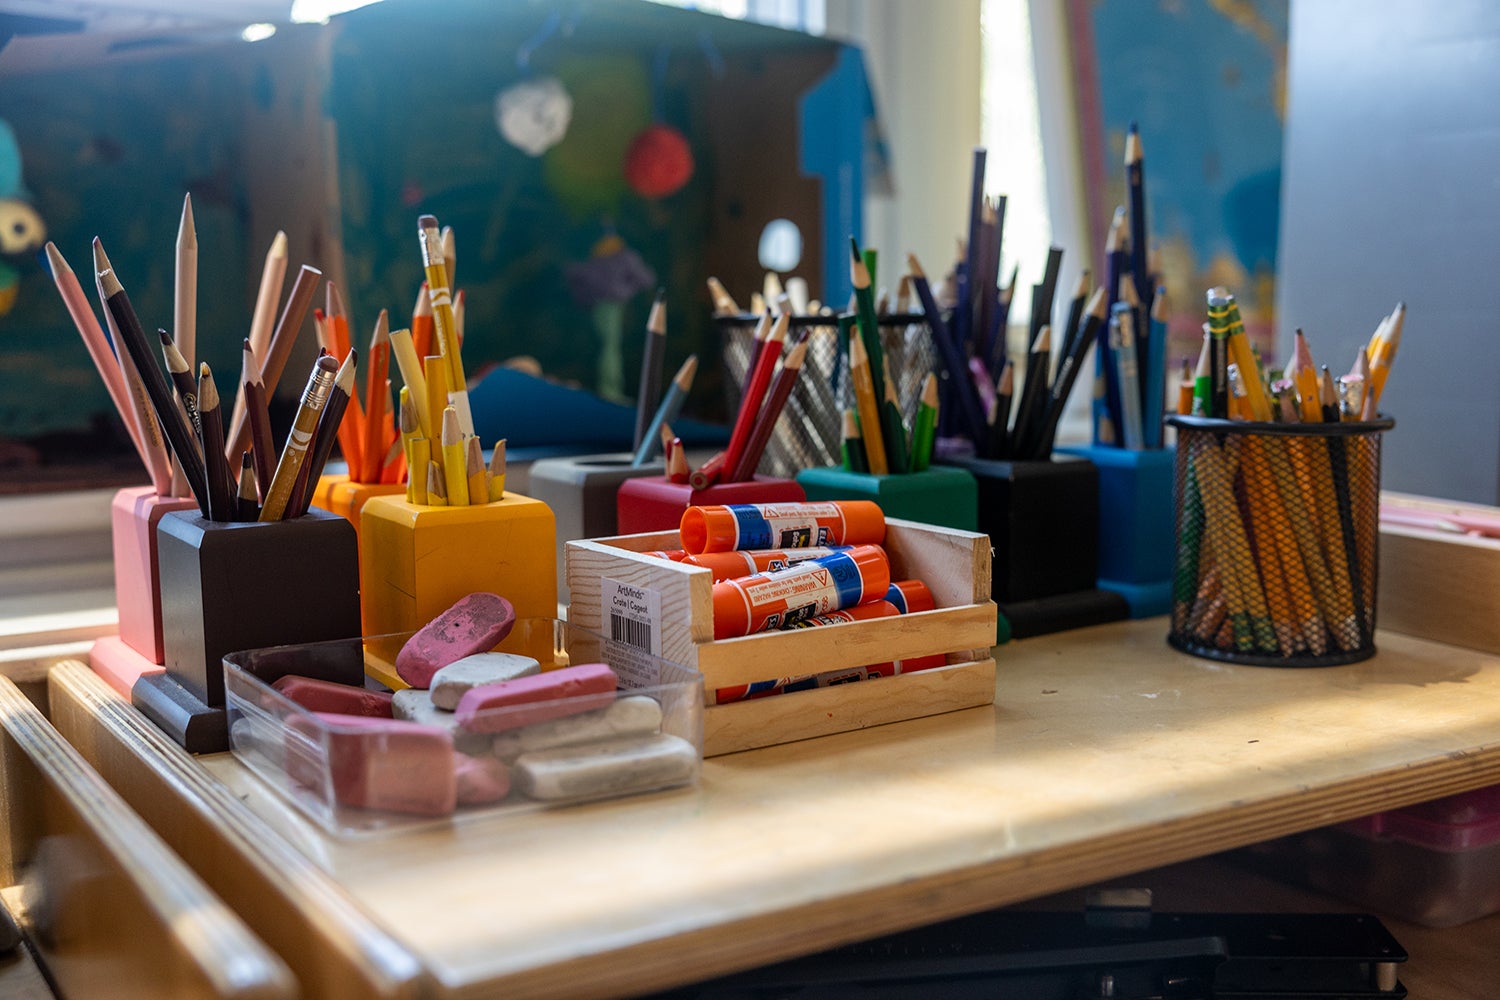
228, 586
1277, 529
1043, 521
811, 428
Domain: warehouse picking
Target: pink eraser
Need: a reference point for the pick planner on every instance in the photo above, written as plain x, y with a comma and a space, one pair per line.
473, 625
326, 696
390, 764
548, 695
481, 780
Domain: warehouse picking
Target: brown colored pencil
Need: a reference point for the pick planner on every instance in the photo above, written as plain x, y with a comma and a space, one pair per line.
273, 361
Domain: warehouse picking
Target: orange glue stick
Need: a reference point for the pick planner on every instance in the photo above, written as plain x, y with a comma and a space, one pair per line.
911, 596
858, 613
783, 597
723, 528
748, 562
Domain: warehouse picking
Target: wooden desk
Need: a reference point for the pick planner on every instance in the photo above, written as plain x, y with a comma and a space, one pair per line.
1105, 753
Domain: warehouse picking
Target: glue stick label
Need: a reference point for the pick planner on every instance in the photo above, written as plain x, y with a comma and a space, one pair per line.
803, 591
786, 526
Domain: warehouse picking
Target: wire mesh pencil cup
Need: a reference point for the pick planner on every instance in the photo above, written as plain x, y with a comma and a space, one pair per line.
1277, 530
811, 427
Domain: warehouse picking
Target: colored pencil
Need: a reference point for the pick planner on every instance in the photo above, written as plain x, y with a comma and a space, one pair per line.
924, 425
765, 422
366, 465
671, 405
129, 332
105, 363
455, 459
867, 406
222, 491
258, 415
755, 394
1067, 373
648, 396
972, 413
1035, 390
299, 439
273, 359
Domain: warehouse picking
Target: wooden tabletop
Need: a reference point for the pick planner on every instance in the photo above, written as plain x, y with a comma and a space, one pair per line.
1105, 753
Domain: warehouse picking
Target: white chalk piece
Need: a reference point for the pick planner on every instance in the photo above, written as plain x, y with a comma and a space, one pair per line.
635, 715
599, 770
415, 705
451, 682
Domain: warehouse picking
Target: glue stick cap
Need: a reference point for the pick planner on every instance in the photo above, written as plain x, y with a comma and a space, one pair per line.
722, 528
910, 595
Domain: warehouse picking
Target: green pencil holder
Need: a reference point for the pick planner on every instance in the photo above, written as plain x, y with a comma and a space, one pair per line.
946, 496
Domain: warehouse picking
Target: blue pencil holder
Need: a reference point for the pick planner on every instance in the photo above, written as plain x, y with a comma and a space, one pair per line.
942, 495
1136, 532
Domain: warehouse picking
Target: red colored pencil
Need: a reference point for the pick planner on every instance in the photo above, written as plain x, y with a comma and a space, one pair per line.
755, 392
781, 389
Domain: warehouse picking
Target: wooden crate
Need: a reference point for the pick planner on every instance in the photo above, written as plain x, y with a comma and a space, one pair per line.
1440, 586
955, 565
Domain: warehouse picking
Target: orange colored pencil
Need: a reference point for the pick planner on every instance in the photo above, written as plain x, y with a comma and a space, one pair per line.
377, 402
422, 324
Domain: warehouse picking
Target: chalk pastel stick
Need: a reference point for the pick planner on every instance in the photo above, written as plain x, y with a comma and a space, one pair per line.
415, 705
389, 764
481, 780
596, 770
528, 700
326, 696
635, 715
474, 624
455, 680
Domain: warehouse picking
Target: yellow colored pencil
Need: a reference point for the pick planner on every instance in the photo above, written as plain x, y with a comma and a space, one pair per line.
455, 461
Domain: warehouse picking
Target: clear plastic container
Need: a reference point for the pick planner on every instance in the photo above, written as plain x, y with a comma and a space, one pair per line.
353, 780
1435, 864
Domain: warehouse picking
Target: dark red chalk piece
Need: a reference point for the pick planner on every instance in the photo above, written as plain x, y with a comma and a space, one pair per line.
383, 763
326, 696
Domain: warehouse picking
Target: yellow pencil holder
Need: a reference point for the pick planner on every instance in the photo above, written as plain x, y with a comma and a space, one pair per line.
338, 495
417, 561
1277, 529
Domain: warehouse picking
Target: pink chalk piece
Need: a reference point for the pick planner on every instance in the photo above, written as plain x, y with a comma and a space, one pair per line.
474, 625
133, 515
389, 764
551, 694
326, 696
121, 665
481, 780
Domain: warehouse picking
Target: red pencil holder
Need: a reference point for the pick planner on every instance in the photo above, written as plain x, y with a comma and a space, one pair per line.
654, 503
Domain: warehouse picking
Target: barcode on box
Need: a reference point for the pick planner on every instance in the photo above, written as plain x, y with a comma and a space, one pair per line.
627, 630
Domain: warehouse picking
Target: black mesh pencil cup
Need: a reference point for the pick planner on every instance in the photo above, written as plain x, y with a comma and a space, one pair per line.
811, 427
1277, 541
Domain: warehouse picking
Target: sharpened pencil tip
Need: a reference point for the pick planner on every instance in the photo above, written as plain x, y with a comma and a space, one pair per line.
55, 260
426, 221
854, 249
166, 338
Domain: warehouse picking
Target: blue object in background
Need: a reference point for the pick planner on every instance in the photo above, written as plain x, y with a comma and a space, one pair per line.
532, 412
